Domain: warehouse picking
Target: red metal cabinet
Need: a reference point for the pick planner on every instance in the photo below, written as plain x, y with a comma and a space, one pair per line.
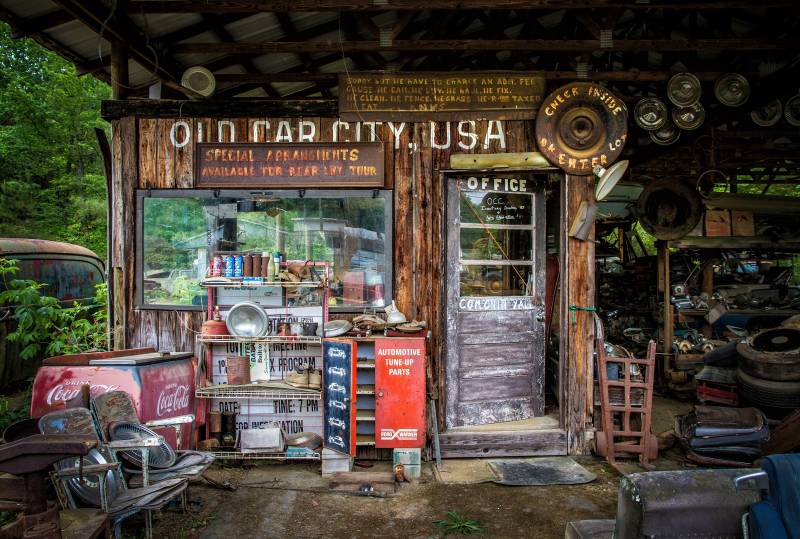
400, 392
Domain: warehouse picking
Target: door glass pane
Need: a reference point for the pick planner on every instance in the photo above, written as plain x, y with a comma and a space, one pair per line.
493, 208
496, 244
495, 280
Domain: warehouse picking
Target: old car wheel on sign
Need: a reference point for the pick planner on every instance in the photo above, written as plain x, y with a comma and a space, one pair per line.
581, 126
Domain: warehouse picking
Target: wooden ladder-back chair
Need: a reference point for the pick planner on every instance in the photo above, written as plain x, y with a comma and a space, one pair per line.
626, 403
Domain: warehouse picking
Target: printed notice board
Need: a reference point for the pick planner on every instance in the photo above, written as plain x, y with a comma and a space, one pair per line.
400, 392
339, 395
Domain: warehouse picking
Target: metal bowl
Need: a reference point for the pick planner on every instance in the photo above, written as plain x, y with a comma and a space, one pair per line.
247, 319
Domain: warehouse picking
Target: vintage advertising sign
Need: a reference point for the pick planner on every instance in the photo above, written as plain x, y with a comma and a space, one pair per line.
441, 96
311, 164
339, 395
400, 392
580, 126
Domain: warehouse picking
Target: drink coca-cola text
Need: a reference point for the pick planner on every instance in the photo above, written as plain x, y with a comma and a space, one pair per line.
172, 399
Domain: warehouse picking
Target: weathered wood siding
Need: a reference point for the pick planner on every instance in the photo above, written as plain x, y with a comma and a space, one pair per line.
145, 156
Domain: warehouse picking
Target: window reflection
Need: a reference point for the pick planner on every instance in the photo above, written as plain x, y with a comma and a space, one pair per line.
349, 231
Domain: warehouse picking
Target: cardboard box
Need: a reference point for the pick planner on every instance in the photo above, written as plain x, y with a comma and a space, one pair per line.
718, 223
743, 223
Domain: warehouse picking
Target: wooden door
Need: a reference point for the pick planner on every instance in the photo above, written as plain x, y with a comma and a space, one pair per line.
495, 296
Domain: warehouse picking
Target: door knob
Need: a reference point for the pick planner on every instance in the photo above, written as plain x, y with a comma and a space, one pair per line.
540, 316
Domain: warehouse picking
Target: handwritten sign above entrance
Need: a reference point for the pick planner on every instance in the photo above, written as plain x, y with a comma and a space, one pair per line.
314, 164
439, 96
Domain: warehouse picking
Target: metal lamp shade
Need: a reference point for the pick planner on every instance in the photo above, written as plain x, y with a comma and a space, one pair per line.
769, 114
690, 117
684, 89
666, 135
247, 320
792, 111
732, 90
650, 113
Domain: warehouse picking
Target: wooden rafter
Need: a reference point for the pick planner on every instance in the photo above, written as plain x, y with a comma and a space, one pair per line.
532, 45
216, 6
117, 26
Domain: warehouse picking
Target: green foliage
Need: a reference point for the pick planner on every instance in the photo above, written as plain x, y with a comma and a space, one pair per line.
51, 178
43, 324
456, 524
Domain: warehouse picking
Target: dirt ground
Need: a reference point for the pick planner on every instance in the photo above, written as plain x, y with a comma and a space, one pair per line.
293, 501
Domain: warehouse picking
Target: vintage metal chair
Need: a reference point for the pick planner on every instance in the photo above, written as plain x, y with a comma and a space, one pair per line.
108, 490
117, 420
25, 490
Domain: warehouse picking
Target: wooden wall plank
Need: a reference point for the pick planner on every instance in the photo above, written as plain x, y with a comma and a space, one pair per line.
148, 153
403, 226
184, 158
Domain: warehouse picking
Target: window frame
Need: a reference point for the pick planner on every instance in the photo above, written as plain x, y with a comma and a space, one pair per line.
141, 194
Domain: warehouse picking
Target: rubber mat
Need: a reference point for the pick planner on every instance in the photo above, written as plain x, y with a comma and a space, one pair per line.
540, 471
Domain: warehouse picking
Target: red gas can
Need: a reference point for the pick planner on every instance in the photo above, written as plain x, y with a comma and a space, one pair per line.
161, 384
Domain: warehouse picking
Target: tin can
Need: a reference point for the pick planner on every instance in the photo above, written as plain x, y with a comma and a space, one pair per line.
217, 266
229, 263
247, 266
238, 263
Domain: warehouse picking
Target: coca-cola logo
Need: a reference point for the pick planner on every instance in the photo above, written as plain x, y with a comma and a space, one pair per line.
63, 393
172, 399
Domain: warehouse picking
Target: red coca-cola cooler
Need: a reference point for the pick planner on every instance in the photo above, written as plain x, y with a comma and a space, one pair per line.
161, 384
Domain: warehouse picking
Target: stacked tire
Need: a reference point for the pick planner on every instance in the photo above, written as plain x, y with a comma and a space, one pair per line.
769, 368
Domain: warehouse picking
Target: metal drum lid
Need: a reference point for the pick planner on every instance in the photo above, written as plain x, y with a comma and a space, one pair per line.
768, 115
683, 89
792, 111
732, 90
87, 488
666, 134
689, 118
160, 456
650, 113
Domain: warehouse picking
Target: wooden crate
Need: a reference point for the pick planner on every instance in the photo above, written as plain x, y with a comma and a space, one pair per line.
718, 223
742, 223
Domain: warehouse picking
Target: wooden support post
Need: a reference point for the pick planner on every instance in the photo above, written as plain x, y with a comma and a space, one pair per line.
119, 69
576, 339
669, 329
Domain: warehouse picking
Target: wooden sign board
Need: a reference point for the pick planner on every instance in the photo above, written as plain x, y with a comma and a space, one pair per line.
339, 390
312, 164
439, 96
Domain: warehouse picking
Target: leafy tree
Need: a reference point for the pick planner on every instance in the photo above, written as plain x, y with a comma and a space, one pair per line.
51, 177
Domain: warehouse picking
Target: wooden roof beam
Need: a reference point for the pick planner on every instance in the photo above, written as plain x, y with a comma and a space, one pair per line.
254, 6
117, 26
540, 45
48, 20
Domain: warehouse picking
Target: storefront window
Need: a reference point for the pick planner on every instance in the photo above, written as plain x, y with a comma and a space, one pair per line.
182, 232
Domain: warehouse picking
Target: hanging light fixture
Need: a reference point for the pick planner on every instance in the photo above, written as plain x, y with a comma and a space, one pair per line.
732, 90
665, 135
792, 111
769, 114
608, 178
650, 113
684, 89
690, 117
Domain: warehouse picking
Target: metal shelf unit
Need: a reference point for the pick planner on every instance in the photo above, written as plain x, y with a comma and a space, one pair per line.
254, 392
